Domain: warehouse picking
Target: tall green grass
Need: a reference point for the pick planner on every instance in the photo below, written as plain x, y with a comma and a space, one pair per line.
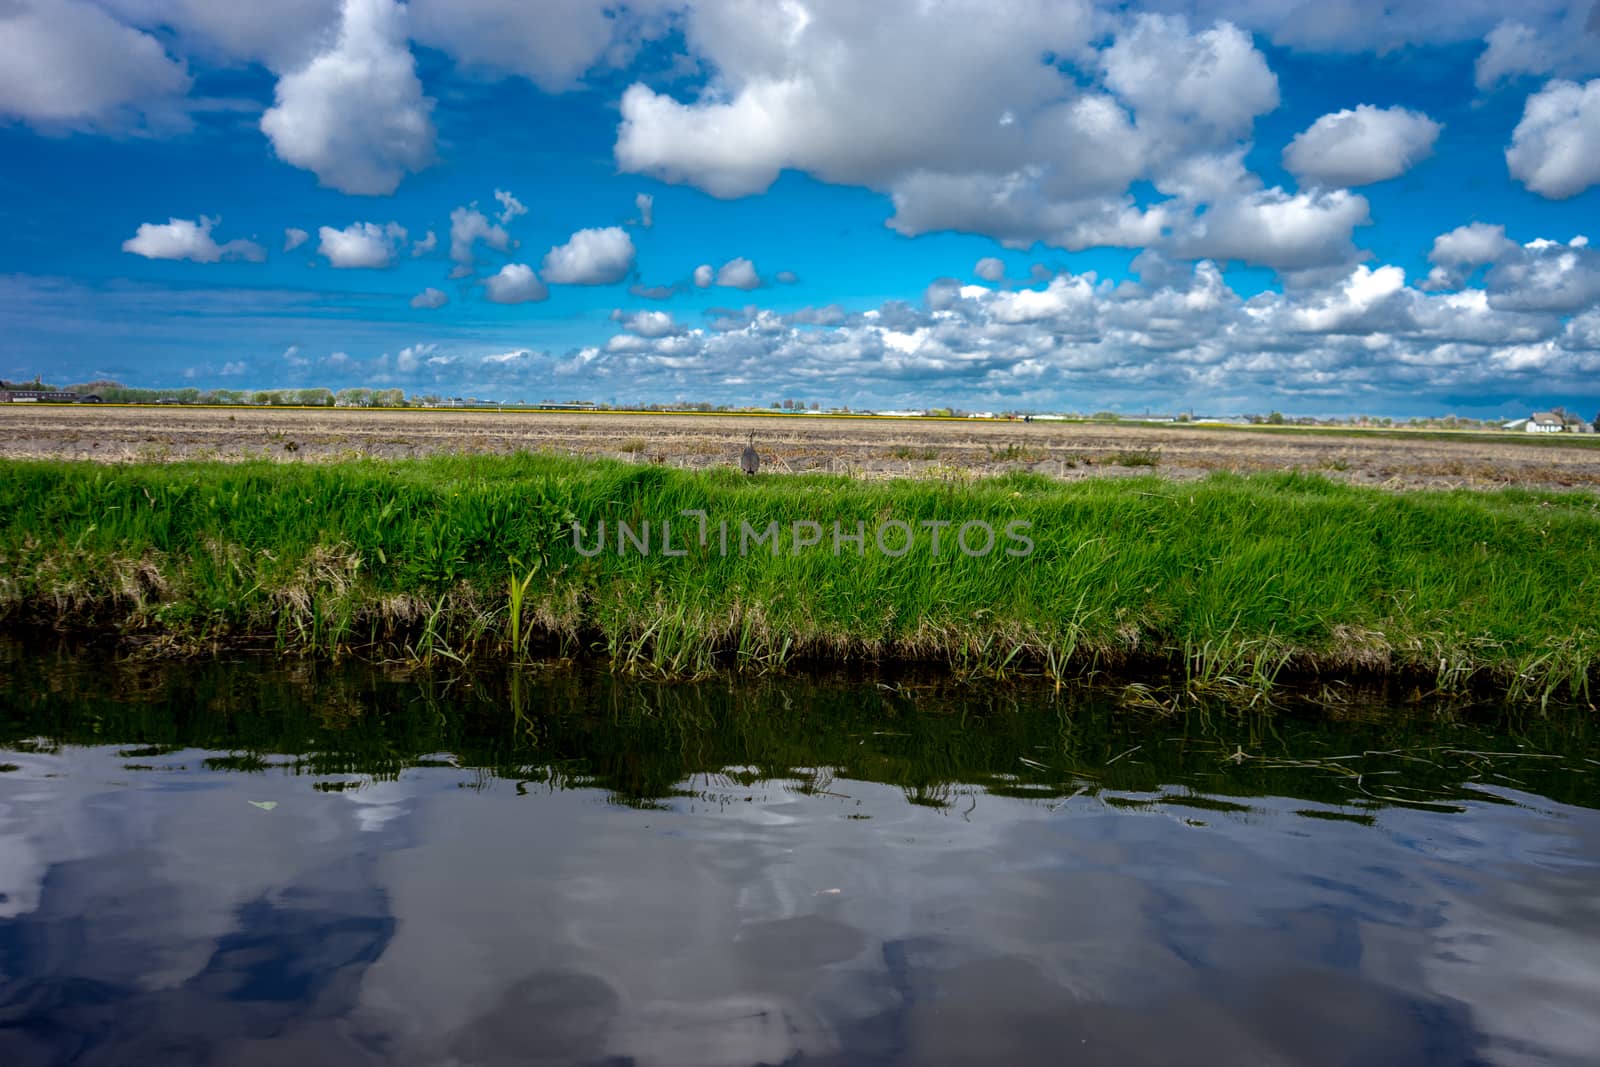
1229, 582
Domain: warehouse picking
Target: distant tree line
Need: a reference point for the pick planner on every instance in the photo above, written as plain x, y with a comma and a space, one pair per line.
113, 392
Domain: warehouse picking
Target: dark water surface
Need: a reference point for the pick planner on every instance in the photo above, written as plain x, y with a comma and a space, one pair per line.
255, 863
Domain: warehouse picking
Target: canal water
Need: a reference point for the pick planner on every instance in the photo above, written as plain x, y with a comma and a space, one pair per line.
259, 862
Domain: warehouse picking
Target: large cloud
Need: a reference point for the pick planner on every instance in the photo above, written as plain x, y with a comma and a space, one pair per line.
1205, 86
844, 91
355, 115
1361, 146
68, 63
1555, 149
809, 87
1028, 133
189, 239
591, 257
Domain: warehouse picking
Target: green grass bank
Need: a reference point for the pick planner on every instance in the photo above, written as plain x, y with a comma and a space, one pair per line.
1233, 581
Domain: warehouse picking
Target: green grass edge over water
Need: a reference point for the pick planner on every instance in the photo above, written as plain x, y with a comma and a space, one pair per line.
1232, 581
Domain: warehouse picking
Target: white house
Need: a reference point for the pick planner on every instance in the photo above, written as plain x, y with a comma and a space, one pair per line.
1545, 422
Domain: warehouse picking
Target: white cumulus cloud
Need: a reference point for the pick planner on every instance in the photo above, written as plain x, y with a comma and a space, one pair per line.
704, 276
990, 269
293, 238
1456, 254
1276, 229
189, 239
429, 299
1555, 149
648, 323
1474, 243
1350, 307
645, 204
361, 244
817, 88
69, 63
1066, 295
1546, 276
1360, 146
999, 143
516, 283
355, 115
738, 273
1208, 84
590, 257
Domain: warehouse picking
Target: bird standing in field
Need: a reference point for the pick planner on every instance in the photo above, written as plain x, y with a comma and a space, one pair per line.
750, 459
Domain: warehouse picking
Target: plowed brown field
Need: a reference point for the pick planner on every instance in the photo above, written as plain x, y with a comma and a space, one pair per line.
862, 447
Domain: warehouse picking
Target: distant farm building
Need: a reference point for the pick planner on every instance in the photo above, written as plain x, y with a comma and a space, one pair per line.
1557, 421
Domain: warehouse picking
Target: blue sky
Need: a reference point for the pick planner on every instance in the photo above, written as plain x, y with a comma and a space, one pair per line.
1045, 204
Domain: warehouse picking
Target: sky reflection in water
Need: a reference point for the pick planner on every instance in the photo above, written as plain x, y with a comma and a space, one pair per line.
606, 872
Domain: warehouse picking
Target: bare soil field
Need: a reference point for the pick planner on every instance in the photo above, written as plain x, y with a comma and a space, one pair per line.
874, 448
